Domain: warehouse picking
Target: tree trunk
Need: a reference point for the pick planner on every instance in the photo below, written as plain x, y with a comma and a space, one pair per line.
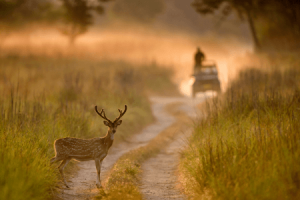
3, 35
72, 35
72, 40
257, 45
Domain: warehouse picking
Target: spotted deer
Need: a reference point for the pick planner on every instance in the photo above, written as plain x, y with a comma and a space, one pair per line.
86, 149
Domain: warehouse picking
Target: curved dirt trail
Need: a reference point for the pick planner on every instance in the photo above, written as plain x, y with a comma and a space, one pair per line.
82, 184
159, 180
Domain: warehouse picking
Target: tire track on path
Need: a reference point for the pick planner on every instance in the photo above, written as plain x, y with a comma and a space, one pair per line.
159, 180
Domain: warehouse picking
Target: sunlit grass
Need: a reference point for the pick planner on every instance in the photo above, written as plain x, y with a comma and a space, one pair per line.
43, 99
247, 147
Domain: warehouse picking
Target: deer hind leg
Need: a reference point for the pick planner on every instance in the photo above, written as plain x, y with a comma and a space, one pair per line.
98, 167
61, 169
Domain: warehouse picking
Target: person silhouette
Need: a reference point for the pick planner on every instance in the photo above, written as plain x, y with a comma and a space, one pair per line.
199, 57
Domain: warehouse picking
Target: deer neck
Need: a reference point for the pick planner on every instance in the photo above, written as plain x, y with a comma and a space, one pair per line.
109, 138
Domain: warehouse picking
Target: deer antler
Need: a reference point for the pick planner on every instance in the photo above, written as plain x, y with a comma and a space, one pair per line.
121, 113
100, 113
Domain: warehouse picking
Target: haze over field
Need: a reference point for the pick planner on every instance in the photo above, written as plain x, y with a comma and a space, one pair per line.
170, 40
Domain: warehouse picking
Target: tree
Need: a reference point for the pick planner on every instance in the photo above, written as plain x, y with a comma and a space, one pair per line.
287, 11
142, 11
16, 14
78, 16
246, 9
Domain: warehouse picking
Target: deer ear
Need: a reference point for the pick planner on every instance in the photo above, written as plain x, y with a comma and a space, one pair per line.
106, 123
119, 122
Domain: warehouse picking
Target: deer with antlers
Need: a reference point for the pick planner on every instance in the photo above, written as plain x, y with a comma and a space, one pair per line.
86, 149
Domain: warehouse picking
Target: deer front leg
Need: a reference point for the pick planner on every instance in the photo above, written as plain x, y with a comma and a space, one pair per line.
98, 167
61, 170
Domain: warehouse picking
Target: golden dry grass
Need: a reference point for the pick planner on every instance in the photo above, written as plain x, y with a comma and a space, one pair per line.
247, 145
45, 98
136, 46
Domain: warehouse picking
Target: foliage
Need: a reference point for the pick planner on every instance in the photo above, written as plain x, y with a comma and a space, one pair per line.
245, 9
78, 16
142, 11
15, 14
247, 147
279, 16
289, 10
279, 25
75, 15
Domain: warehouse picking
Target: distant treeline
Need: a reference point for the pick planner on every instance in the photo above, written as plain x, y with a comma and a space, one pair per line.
273, 23
71, 17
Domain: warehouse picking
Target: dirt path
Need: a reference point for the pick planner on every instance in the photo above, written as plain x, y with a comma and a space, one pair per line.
159, 180
82, 184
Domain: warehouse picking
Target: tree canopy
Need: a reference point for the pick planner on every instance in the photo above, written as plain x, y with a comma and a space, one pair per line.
78, 16
245, 9
19, 13
142, 11
73, 16
285, 14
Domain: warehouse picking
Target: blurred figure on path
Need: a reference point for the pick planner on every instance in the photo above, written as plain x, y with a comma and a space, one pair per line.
199, 57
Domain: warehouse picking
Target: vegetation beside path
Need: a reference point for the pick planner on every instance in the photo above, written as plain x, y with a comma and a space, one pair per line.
247, 147
124, 178
45, 98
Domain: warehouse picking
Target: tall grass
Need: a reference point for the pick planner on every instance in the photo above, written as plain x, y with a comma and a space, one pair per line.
27, 130
247, 146
43, 99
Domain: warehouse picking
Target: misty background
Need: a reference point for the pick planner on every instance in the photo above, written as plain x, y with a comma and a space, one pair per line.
166, 32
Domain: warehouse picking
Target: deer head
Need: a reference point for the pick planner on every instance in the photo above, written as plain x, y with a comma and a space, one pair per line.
112, 125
